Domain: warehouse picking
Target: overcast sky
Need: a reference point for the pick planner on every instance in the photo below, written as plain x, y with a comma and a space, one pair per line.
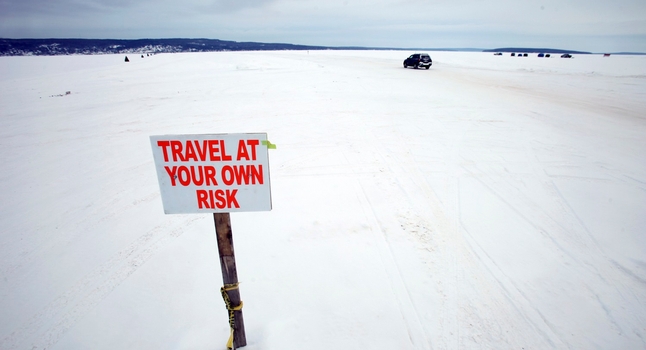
587, 25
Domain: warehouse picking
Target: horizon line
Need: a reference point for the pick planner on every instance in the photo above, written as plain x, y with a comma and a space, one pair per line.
350, 47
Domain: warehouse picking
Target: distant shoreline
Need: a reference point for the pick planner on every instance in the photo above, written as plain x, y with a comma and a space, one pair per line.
71, 46
536, 50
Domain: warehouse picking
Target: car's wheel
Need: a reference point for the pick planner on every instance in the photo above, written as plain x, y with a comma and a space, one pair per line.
405, 66
427, 67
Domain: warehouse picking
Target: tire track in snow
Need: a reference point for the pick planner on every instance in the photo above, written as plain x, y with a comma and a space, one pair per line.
569, 236
542, 222
29, 252
53, 321
401, 293
514, 294
455, 256
416, 333
406, 182
446, 231
447, 256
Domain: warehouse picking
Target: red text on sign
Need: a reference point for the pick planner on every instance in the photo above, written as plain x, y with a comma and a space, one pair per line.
220, 199
243, 152
242, 174
194, 150
197, 175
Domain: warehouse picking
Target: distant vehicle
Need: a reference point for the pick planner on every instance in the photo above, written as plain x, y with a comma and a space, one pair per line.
418, 60
524, 55
566, 55
513, 54
498, 54
541, 55
547, 55
606, 55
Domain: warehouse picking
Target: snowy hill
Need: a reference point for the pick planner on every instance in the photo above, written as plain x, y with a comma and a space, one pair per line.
487, 202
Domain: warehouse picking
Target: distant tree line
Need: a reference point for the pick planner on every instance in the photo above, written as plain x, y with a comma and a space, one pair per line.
43, 47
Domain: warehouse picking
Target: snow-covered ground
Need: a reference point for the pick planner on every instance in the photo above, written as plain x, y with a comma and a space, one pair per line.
489, 202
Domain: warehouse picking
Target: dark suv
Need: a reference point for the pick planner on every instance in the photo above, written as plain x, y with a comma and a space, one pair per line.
418, 60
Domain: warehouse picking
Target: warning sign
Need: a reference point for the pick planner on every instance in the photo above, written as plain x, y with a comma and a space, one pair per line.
217, 173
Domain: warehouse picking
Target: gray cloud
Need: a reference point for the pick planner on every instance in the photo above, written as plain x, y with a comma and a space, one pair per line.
229, 6
393, 23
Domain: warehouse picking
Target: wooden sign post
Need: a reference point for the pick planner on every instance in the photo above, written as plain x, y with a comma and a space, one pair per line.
224, 235
219, 174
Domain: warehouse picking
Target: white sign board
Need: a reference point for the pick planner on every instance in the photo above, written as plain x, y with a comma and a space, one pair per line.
217, 173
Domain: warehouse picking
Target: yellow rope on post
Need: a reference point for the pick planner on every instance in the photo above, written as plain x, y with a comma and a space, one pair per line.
231, 309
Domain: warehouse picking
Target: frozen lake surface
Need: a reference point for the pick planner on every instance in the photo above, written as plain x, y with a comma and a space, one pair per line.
490, 202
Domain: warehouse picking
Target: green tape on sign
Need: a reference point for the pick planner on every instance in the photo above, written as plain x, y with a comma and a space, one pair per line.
269, 144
